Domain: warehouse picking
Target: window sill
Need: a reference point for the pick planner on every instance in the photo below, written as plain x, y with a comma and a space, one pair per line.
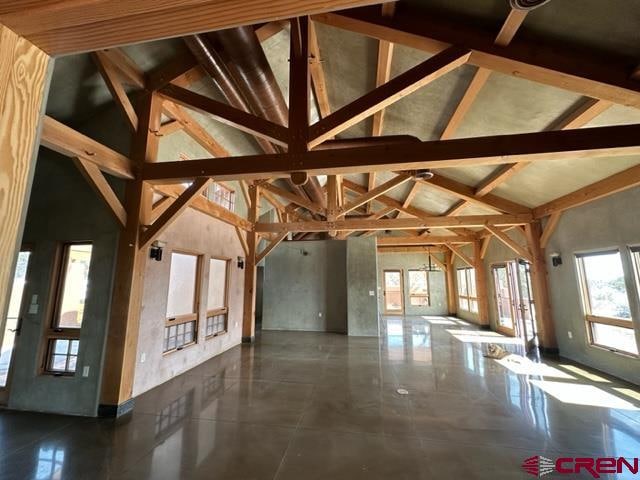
180, 349
214, 335
620, 353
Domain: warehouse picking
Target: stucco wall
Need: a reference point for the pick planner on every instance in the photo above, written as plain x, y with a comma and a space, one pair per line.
305, 287
198, 233
414, 261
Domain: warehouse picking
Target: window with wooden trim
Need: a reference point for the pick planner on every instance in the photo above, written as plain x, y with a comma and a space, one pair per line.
467, 294
419, 289
221, 194
62, 340
217, 297
181, 324
606, 301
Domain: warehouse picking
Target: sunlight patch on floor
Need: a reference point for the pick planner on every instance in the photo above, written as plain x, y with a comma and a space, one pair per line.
523, 366
475, 336
582, 395
584, 373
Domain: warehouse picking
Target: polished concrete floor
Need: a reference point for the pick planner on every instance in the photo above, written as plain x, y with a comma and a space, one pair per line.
310, 406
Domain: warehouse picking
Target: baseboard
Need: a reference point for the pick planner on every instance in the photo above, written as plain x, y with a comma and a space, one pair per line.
114, 411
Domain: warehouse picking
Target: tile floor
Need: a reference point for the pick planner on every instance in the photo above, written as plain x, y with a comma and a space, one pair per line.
312, 406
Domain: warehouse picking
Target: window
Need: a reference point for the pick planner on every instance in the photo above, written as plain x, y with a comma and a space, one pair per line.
71, 283
217, 307
605, 300
467, 295
182, 302
419, 288
222, 195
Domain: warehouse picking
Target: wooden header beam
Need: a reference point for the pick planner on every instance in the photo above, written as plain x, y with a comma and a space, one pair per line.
494, 150
396, 223
65, 27
424, 240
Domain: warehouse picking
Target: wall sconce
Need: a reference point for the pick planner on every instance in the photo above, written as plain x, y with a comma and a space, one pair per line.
556, 259
155, 252
241, 263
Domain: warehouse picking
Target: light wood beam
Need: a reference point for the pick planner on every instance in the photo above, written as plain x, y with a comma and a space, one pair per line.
395, 223
371, 182
294, 198
416, 249
128, 71
317, 74
226, 114
383, 70
618, 182
269, 248
68, 142
482, 290
549, 228
413, 191
555, 65
96, 179
67, 27
249, 301
298, 134
613, 141
498, 177
111, 78
195, 130
425, 240
460, 254
376, 192
387, 94
179, 205
486, 241
170, 127
268, 30
452, 292
243, 241
25, 74
159, 208
509, 242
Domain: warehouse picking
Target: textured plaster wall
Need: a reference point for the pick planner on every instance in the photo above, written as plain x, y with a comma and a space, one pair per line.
197, 233
305, 287
406, 262
362, 285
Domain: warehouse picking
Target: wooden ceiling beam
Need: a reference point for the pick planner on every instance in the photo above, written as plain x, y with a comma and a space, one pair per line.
549, 228
480, 77
426, 249
424, 240
267, 30
294, 198
509, 242
318, 78
554, 65
375, 193
66, 27
618, 182
383, 69
66, 141
227, 114
460, 254
112, 79
387, 94
128, 70
396, 223
269, 248
495, 150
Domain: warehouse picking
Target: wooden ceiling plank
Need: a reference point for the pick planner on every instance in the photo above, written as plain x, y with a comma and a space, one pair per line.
387, 94
227, 114
66, 141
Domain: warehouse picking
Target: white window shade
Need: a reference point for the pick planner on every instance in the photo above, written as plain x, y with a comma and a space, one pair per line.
182, 285
216, 295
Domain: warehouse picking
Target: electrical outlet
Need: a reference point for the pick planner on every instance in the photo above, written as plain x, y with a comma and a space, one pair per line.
143, 357
570, 335
372, 293
85, 371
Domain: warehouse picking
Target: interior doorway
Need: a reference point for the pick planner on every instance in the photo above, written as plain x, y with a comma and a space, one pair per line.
393, 292
514, 300
13, 324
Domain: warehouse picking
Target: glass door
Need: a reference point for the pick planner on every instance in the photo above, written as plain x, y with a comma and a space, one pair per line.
526, 307
393, 292
13, 324
504, 299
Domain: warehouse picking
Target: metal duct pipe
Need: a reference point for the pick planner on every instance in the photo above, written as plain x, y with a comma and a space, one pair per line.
248, 65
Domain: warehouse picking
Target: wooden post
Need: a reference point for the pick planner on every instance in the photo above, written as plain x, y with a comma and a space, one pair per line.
451, 283
24, 78
540, 287
250, 270
481, 284
122, 338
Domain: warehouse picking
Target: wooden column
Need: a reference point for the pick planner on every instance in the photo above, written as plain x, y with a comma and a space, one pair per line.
540, 287
481, 284
451, 283
24, 78
249, 312
122, 338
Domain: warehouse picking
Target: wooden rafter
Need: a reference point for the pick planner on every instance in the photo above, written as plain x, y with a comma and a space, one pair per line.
293, 197
457, 251
96, 179
413, 191
159, 207
506, 34
66, 141
426, 240
554, 65
268, 30
243, 241
383, 70
272, 244
127, 69
385, 95
376, 192
298, 133
226, 114
395, 223
485, 246
494, 150
317, 74
549, 228
111, 78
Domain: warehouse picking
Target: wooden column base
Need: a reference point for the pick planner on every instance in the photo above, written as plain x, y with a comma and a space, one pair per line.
115, 411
